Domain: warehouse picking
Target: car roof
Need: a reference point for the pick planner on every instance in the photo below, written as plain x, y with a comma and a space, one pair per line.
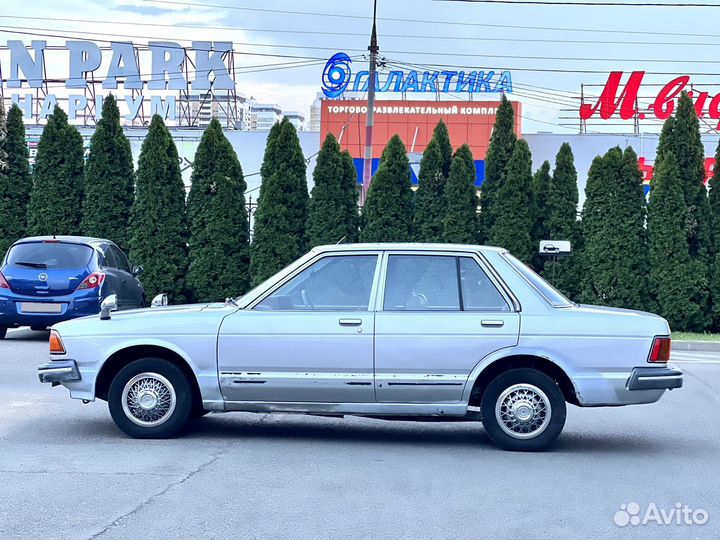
65, 238
407, 246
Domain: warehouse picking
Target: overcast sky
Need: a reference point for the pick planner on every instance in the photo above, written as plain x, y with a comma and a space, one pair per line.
594, 39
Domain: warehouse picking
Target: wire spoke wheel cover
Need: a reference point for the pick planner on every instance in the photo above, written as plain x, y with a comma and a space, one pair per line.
148, 399
523, 411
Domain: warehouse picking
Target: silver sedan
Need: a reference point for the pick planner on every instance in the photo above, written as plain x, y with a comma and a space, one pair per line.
393, 331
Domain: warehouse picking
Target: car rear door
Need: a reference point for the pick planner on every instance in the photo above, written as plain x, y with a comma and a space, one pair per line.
439, 314
308, 340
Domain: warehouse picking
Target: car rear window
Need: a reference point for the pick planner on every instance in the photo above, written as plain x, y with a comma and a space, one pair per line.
49, 255
547, 291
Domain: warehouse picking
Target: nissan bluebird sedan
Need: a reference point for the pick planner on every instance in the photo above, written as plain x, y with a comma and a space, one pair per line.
392, 331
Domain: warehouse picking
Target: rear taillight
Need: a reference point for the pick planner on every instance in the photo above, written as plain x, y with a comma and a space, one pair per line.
56, 344
93, 281
3, 282
660, 350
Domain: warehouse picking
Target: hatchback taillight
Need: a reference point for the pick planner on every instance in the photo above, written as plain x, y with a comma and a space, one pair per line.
93, 281
660, 350
3, 282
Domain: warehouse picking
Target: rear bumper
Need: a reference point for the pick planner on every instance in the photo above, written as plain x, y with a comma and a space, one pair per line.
72, 307
59, 371
654, 378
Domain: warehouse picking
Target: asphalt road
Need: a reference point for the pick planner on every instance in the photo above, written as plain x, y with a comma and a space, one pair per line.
67, 472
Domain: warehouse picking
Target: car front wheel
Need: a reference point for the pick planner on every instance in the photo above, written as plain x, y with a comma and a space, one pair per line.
523, 410
3, 332
150, 398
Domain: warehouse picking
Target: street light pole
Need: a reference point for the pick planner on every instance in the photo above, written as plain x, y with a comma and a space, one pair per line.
370, 119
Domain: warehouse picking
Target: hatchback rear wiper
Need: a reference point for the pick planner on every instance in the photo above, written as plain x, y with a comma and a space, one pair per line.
32, 264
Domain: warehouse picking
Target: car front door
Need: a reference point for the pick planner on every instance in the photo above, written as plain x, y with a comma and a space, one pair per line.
440, 315
308, 340
114, 279
131, 289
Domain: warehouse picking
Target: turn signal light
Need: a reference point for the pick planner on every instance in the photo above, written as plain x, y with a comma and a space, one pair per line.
56, 344
660, 350
93, 281
3, 282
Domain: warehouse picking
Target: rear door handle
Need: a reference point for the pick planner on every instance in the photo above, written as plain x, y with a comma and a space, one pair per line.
350, 322
492, 324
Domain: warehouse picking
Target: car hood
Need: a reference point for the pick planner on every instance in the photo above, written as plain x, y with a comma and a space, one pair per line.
169, 320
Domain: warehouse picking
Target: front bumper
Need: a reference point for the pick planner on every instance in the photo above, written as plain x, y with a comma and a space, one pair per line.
655, 378
59, 371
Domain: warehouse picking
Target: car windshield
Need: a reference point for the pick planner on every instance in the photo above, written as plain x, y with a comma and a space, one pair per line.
550, 293
49, 255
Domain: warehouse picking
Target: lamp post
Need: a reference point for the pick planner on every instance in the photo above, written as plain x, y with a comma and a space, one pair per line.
370, 119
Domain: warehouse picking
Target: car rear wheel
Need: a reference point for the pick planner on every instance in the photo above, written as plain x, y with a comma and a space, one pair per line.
523, 410
3, 332
150, 398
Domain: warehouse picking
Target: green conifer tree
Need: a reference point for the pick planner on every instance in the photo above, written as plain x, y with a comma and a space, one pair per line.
279, 235
388, 211
513, 206
461, 201
615, 239
541, 194
673, 275
333, 205
714, 274
690, 154
109, 179
219, 247
15, 180
430, 197
502, 144
441, 135
56, 196
562, 223
158, 220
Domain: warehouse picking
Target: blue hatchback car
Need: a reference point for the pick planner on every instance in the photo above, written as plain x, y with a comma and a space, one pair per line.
46, 280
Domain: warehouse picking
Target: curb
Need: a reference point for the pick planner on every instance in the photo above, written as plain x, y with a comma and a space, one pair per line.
712, 346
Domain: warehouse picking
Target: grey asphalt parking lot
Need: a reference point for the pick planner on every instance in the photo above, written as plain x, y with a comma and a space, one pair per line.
67, 472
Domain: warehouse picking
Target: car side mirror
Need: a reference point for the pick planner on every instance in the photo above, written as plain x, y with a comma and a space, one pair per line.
137, 270
161, 300
108, 305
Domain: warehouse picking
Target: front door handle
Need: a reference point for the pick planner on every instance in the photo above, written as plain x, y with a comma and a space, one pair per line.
492, 324
350, 322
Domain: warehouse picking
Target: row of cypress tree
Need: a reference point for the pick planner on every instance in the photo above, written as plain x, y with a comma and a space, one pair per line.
663, 256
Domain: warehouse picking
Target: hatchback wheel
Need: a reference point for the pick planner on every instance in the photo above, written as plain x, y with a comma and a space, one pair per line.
150, 398
3, 332
523, 409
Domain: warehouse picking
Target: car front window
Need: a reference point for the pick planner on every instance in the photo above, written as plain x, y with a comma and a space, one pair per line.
547, 291
337, 283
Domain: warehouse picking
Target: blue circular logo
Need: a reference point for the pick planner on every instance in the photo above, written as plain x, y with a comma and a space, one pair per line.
336, 75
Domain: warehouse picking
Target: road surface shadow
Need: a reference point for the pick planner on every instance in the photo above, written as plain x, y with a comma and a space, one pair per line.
25, 334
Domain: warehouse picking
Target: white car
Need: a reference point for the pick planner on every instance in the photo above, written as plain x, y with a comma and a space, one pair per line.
395, 331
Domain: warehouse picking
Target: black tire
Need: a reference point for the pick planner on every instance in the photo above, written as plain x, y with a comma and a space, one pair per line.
3, 332
169, 378
548, 427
